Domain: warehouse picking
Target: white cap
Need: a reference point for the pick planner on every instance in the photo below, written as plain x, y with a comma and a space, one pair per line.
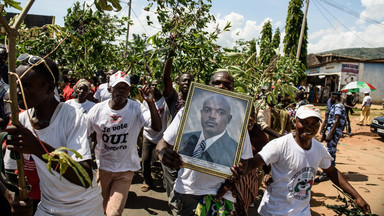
349, 93
366, 92
307, 111
118, 77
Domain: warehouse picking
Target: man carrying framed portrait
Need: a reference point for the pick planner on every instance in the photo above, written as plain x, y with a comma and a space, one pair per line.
199, 179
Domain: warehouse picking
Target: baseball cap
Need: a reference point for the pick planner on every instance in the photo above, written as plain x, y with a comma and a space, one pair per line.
349, 93
307, 111
118, 77
366, 92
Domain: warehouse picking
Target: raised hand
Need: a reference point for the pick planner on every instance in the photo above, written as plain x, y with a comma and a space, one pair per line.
147, 93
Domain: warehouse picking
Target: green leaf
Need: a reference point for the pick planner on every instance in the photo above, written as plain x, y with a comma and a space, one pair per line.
13, 4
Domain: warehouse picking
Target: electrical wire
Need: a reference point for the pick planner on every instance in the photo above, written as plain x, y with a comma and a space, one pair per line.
139, 21
325, 17
345, 25
352, 12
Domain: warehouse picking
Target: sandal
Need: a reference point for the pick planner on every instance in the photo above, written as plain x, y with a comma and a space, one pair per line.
145, 188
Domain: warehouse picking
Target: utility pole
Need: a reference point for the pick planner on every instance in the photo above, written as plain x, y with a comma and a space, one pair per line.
302, 31
129, 17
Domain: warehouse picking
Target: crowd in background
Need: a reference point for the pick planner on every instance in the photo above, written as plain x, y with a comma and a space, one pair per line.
111, 119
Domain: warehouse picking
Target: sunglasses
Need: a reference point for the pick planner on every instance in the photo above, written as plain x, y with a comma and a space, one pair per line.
34, 61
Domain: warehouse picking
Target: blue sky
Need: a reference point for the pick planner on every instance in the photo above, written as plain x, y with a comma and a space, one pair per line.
329, 27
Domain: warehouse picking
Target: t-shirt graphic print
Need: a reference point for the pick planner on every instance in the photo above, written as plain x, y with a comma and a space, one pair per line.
301, 183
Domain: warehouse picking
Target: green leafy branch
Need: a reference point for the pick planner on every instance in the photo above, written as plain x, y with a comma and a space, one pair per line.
349, 208
60, 156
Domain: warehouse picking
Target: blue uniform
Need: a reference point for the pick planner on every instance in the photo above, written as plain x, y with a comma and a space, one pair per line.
336, 109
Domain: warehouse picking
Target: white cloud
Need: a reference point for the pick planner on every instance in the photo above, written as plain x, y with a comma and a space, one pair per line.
329, 39
363, 34
374, 10
241, 28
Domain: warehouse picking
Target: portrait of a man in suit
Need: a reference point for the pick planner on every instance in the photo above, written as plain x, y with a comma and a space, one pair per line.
213, 143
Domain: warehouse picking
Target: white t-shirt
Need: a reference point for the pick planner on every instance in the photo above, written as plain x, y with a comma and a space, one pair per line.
102, 93
83, 107
117, 132
59, 196
195, 182
367, 100
162, 109
293, 173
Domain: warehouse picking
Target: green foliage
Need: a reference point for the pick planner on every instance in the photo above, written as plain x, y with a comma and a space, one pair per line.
292, 31
275, 44
108, 5
184, 35
91, 41
349, 208
250, 76
12, 3
271, 70
60, 156
265, 43
95, 43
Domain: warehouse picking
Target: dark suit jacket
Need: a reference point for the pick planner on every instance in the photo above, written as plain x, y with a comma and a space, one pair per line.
222, 151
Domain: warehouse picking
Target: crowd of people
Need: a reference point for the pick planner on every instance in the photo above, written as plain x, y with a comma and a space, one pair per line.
103, 122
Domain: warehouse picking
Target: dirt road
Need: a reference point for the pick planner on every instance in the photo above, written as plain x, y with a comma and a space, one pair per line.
360, 158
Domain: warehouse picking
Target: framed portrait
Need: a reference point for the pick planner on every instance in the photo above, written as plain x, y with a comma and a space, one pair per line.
212, 129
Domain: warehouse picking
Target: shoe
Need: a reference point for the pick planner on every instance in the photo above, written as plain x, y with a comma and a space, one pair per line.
322, 177
145, 188
349, 134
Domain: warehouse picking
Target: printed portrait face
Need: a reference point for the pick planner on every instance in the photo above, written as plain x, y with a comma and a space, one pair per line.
215, 116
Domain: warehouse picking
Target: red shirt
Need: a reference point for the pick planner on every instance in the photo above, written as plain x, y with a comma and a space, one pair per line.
68, 92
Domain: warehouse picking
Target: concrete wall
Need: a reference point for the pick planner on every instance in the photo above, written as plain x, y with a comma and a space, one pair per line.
374, 74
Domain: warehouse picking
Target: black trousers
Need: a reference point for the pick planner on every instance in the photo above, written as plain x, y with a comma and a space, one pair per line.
347, 121
147, 155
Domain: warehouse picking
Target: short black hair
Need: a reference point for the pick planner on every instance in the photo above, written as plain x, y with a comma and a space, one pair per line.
300, 95
179, 77
42, 68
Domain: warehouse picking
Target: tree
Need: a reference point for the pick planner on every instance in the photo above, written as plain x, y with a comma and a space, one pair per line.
90, 41
275, 44
266, 49
96, 45
292, 31
184, 33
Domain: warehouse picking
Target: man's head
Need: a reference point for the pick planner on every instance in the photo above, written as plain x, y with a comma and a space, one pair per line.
366, 93
38, 78
109, 74
286, 101
184, 82
215, 116
299, 95
335, 97
307, 121
3, 55
349, 95
119, 84
82, 89
222, 80
156, 90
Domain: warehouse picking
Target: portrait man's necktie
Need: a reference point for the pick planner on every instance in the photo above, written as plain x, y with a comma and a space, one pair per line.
199, 151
